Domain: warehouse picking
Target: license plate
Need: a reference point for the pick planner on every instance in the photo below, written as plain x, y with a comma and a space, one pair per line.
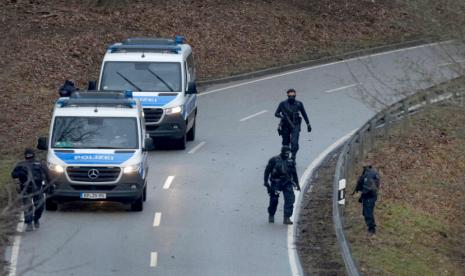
94, 195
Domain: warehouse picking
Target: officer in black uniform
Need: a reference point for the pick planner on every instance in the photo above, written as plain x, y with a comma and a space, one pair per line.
282, 175
289, 127
368, 184
31, 175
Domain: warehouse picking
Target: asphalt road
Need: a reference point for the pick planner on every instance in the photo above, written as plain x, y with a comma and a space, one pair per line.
211, 219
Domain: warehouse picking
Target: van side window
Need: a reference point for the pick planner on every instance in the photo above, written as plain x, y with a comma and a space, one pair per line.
191, 67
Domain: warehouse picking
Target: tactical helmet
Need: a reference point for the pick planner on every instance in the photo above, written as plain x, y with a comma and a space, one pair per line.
285, 149
29, 153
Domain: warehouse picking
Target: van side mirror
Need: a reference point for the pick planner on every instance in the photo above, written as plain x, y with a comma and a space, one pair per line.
191, 88
148, 144
42, 143
92, 85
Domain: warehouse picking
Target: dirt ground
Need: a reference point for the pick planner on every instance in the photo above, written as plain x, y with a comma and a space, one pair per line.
317, 243
420, 211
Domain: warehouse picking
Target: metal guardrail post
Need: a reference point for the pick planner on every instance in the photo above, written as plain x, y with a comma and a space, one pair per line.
387, 122
428, 98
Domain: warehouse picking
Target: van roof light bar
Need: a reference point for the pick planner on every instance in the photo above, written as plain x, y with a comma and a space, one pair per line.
97, 99
148, 44
120, 47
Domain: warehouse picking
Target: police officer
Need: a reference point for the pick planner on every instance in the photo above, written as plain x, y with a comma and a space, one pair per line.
31, 177
67, 88
289, 127
368, 184
281, 175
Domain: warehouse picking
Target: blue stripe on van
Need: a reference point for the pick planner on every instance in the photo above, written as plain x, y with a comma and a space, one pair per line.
94, 158
147, 101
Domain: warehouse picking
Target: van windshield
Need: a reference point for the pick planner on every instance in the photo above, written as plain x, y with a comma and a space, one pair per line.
95, 133
141, 76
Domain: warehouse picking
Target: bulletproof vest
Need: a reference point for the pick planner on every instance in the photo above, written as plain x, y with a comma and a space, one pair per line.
370, 183
280, 169
292, 112
31, 177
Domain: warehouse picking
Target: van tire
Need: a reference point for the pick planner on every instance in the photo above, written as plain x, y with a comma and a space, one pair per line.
50, 205
191, 132
144, 193
138, 205
181, 143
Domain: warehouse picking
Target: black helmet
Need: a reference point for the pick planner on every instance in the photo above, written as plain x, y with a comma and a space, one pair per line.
285, 149
29, 153
67, 89
290, 90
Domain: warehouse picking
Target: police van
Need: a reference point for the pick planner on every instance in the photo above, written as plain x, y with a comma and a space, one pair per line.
161, 74
97, 150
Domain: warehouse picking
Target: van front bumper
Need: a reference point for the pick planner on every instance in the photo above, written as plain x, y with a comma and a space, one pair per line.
127, 189
171, 126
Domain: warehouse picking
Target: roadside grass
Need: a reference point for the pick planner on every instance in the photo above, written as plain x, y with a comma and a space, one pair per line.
420, 211
7, 216
9, 208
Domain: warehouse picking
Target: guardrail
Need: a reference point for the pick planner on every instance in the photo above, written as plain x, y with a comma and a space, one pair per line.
361, 142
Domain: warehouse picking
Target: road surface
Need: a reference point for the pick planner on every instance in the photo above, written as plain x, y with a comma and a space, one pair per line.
206, 208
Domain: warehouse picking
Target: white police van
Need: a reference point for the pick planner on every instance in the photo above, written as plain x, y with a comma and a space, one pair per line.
161, 74
97, 150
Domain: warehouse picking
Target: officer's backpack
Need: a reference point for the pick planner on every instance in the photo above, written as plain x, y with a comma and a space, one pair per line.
369, 185
280, 168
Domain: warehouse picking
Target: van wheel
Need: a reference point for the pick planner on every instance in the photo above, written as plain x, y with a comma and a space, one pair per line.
191, 132
138, 205
50, 205
181, 143
144, 193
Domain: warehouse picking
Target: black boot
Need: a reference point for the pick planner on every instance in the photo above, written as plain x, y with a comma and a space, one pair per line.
288, 221
29, 227
271, 219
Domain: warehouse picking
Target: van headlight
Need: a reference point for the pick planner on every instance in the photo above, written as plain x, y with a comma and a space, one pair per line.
55, 168
174, 110
131, 169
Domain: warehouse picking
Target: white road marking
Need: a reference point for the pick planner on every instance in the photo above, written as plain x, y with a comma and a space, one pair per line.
168, 182
342, 87
319, 66
196, 148
253, 115
153, 259
15, 247
157, 219
450, 63
294, 260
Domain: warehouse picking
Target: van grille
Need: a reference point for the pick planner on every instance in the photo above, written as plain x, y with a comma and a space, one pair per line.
153, 115
93, 174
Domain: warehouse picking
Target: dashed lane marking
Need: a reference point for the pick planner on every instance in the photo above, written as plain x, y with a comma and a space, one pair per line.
153, 259
343, 87
451, 63
157, 219
253, 115
196, 148
168, 182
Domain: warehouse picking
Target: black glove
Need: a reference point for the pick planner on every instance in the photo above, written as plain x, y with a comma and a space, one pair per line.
309, 128
268, 187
